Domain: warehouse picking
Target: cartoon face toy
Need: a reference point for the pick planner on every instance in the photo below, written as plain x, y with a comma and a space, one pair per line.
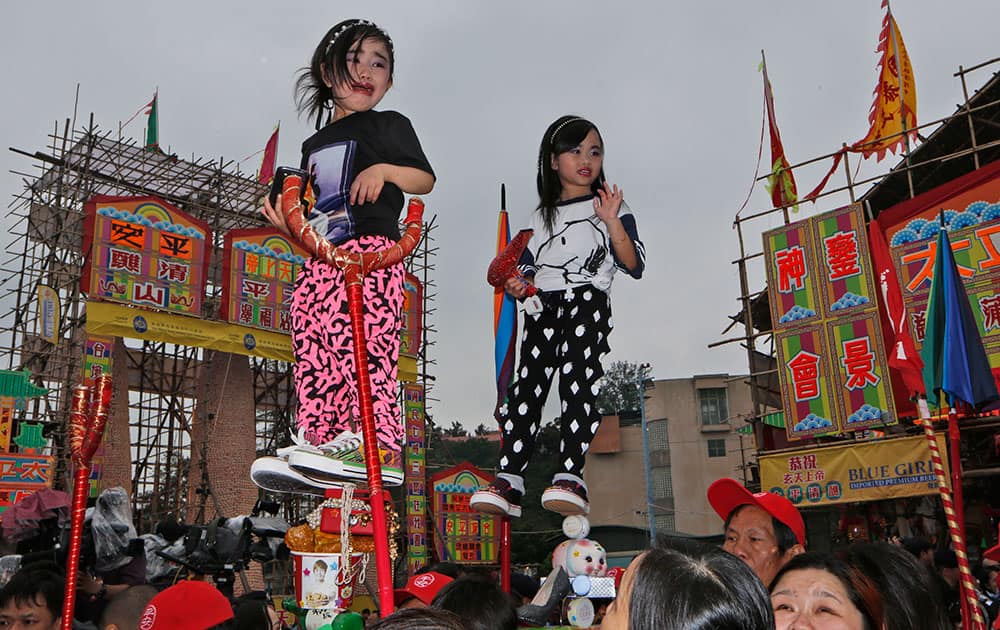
581, 557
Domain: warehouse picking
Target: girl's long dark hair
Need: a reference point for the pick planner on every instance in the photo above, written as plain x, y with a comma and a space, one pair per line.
311, 94
566, 133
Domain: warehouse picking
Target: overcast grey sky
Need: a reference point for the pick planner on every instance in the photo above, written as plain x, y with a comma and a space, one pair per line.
673, 87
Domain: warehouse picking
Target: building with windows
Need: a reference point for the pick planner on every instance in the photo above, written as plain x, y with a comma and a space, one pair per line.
692, 440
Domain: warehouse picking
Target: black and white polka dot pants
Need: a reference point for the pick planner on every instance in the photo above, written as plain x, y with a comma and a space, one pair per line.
569, 336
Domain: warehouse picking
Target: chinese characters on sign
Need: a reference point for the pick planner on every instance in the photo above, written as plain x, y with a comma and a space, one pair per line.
416, 477
145, 252
261, 266
832, 366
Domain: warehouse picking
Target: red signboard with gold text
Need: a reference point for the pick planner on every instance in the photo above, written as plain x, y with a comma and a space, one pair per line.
143, 251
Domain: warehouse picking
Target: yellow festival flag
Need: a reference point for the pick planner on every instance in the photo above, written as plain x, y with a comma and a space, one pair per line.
893, 114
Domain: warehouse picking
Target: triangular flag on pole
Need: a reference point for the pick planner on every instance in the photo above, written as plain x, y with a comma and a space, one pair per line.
893, 115
153, 124
266, 173
781, 182
504, 316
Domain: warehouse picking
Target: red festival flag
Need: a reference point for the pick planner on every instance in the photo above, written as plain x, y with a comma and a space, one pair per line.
781, 182
893, 114
266, 172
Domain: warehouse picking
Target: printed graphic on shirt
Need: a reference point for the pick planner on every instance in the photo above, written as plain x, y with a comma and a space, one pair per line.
332, 171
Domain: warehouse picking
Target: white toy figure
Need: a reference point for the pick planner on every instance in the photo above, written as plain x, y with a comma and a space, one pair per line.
581, 557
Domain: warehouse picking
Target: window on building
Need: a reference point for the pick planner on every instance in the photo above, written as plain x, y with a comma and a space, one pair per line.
665, 523
713, 405
716, 448
658, 436
662, 482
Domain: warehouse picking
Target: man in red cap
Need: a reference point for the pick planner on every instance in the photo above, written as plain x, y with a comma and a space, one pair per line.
187, 605
764, 530
420, 590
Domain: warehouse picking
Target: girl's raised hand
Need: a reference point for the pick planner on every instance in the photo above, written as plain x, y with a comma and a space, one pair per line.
274, 215
608, 202
517, 286
367, 186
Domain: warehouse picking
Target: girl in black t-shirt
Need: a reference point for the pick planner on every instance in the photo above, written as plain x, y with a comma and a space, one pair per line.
362, 162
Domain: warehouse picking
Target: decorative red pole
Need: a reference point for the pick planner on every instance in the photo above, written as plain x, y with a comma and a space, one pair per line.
355, 267
970, 608
87, 419
505, 553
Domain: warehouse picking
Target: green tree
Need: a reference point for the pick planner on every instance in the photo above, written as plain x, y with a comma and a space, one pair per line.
456, 430
620, 389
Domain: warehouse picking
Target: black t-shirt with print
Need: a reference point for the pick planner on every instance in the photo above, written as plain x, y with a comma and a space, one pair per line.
338, 152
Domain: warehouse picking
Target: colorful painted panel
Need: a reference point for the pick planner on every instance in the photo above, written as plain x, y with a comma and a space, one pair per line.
805, 375
258, 278
861, 383
462, 535
143, 251
411, 334
416, 477
977, 255
792, 276
25, 472
843, 265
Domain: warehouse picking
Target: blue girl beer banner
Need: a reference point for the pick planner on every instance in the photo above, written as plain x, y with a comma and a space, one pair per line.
867, 471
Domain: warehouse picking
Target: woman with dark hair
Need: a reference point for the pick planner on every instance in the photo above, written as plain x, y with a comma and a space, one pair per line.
689, 588
909, 599
420, 619
480, 604
254, 612
824, 592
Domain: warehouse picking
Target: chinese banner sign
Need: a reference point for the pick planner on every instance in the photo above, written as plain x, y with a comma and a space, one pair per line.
142, 251
416, 477
259, 273
413, 307
974, 230
25, 472
96, 361
462, 535
886, 469
832, 364
48, 314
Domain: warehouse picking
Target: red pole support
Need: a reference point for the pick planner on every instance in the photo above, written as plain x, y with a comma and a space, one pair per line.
373, 462
505, 553
81, 483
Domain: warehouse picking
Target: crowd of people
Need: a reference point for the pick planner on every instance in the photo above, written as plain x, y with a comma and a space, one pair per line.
761, 577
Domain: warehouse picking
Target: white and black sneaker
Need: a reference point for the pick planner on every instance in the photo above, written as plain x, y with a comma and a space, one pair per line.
498, 498
275, 475
566, 497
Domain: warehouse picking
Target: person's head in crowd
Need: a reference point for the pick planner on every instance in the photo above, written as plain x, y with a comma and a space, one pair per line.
816, 590
910, 601
764, 529
922, 550
420, 590
420, 619
479, 603
33, 598
188, 605
255, 611
946, 563
124, 609
987, 576
452, 570
689, 587
523, 587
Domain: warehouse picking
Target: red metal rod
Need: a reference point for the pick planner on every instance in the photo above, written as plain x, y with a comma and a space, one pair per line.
355, 301
505, 554
81, 484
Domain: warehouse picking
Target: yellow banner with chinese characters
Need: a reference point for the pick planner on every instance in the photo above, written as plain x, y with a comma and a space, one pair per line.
116, 320
886, 469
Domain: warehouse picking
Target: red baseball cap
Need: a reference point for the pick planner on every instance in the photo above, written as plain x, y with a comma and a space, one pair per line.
726, 495
423, 586
188, 605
